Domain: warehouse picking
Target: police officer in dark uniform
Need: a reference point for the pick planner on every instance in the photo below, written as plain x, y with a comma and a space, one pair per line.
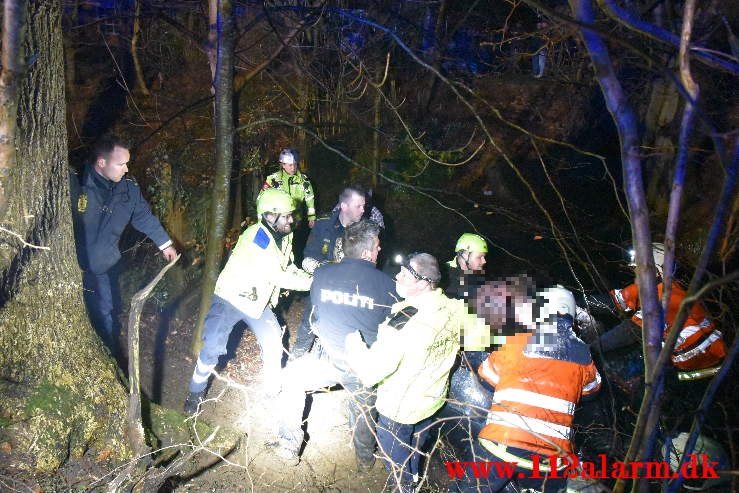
104, 202
325, 245
352, 295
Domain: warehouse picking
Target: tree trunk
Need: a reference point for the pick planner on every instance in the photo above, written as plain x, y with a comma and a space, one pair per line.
224, 129
11, 68
626, 123
140, 79
60, 392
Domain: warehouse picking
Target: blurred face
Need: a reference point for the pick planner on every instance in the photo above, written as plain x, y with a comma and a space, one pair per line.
115, 166
472, 261
497, 305
283, 224
290, 169
352, 210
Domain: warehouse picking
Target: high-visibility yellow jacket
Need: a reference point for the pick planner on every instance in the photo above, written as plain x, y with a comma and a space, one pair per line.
257, 269
297, 186
414, 353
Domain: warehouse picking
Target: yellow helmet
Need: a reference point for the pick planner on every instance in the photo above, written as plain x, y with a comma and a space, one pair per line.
471, 242
275, 201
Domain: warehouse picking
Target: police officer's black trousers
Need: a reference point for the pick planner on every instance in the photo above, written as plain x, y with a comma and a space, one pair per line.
98, 294
305, 336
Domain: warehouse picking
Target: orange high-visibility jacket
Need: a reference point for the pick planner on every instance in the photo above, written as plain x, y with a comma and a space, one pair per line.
700, 345
535, 396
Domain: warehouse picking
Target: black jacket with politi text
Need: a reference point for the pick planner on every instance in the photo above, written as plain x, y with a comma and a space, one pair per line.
348, 296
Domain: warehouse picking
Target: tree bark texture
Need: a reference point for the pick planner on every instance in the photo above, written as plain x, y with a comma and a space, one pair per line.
11, 67
224, 130
60, 394
140, 79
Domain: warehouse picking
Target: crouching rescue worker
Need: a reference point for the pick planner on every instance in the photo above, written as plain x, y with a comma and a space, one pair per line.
700, 348
466, 271
410, 362
539, 375
247, 289
348, 296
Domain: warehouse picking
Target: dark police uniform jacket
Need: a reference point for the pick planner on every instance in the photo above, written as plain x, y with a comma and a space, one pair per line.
348, 296
324, 241
101, 210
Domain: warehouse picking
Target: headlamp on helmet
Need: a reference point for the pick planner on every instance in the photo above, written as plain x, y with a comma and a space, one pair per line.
288, 156
658, 251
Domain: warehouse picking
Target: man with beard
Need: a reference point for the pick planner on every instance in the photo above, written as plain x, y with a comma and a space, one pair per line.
248, 289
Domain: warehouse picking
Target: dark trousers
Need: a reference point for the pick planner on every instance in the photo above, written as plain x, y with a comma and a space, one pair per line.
306, 337
624, 334
401, 446
99, 292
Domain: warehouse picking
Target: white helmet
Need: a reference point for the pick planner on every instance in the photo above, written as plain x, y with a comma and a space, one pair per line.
556, 300
658, 251
713, 452
288, 156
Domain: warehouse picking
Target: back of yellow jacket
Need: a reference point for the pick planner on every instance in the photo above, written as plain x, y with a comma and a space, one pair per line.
411, 361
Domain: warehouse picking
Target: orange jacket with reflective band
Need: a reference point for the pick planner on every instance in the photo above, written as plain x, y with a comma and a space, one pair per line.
699, 345
535, 398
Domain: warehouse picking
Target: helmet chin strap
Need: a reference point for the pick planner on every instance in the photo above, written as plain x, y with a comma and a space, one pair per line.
269, 223
460, 254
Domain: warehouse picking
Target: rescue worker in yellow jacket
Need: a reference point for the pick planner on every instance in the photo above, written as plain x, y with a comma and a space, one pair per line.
248, 289
290, 180
700, 348
539, 375
410, 362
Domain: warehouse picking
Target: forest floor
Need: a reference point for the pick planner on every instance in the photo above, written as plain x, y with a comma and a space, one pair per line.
236, 401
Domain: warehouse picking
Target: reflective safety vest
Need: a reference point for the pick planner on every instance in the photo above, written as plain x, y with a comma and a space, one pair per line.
297, 186
700, 345
535, 397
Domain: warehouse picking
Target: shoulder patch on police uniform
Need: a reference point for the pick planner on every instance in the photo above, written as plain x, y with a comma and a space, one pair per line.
82, 203
261, 239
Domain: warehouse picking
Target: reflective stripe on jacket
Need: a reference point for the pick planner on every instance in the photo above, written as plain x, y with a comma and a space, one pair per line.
535, 397
257, 269
297, 186
700, 345
101, 210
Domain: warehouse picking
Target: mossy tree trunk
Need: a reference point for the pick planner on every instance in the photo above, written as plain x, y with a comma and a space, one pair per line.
59, 394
